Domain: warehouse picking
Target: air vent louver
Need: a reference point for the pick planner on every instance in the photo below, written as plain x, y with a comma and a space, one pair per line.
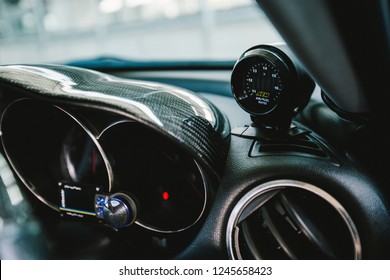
291, 220
302, 145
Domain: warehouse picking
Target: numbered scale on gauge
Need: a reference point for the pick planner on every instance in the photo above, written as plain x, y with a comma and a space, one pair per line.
263, 87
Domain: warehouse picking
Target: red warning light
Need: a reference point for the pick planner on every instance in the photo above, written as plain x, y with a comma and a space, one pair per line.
165, 195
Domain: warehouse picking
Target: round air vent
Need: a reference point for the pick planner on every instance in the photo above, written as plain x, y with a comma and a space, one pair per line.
287, 219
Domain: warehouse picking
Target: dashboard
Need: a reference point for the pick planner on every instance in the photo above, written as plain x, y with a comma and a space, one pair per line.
145, 165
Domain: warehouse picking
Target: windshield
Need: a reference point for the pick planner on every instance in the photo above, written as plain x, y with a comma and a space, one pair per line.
58, 31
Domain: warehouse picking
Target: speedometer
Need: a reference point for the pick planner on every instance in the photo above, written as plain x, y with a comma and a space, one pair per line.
270, 86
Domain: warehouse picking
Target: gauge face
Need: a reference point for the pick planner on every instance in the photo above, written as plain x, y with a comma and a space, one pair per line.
270, 86
262, 83
60, 149
81, 161
257, 85
168, 185
173, 198
262, 88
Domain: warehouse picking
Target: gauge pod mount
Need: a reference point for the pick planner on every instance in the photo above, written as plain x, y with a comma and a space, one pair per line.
271, 85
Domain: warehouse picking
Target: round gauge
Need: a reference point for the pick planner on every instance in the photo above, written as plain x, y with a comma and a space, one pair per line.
168, 185
48, 145
262, 88
270, 86
260, 80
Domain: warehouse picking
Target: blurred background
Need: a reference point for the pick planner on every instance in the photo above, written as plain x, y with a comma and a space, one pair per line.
58, 31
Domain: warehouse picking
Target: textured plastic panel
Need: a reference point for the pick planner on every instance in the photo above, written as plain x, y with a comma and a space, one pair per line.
186, 118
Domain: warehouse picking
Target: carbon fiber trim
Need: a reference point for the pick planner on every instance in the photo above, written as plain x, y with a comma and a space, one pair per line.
189, 120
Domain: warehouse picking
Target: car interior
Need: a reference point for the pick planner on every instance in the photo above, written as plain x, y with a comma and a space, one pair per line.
279, 154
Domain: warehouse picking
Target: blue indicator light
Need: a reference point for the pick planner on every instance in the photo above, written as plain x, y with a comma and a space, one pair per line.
100, 200
99, 212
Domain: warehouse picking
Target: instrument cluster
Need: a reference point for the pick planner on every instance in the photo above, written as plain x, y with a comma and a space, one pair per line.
99, 167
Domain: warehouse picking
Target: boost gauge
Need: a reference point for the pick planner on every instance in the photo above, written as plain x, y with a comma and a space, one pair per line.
270, 86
